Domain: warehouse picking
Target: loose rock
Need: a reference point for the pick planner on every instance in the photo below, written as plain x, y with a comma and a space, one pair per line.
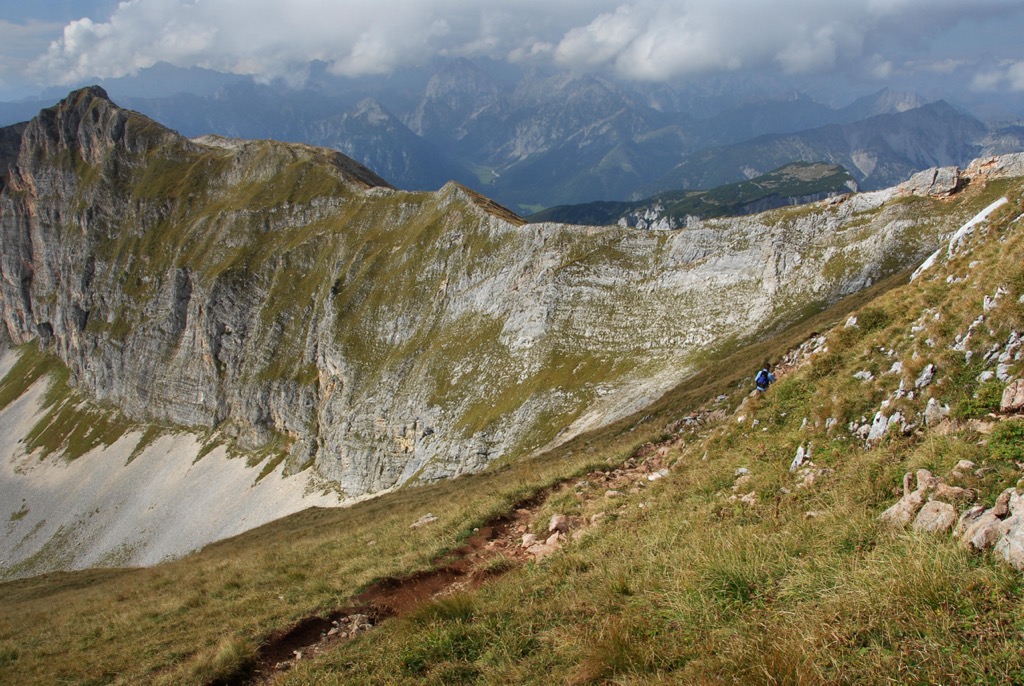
1013, 398
558, 523
935, 517
428, 518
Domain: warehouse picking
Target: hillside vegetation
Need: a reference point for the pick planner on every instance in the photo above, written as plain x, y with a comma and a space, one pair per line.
793, 184
731, 567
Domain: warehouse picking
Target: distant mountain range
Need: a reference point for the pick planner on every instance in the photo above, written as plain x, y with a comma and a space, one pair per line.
534, 140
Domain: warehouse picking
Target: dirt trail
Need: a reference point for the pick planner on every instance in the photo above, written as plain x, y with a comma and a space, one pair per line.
495, 548
465, 567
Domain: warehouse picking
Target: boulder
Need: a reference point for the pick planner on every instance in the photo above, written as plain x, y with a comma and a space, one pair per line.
952, 494
925, 378
985, 532
935, 412
968, 519
539, 551
558, 523
1011, 546
428, 518
801, 455
1013, 397
879, 425
1016, 503
937, 181
1002, 506
991, 526
906, 508
904, 511
965, 466
997, 166
935, 517
926, 481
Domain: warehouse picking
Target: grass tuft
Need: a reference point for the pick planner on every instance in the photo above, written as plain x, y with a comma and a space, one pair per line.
232, 659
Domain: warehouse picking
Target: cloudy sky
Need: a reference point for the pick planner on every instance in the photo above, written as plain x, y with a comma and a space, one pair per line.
970, 46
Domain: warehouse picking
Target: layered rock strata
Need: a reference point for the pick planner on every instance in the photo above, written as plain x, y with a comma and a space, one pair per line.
283, 292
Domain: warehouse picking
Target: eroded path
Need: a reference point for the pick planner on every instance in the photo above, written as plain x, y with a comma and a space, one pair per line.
494, 549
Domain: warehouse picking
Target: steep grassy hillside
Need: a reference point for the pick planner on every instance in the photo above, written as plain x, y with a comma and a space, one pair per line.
734, 566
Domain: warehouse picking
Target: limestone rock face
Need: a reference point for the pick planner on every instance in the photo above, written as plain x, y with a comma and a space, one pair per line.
938, 181
1001, 166
284, 293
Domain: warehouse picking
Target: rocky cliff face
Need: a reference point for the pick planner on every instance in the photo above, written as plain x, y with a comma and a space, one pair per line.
285, 293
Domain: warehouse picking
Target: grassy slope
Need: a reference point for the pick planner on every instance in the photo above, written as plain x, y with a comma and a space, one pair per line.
689, 588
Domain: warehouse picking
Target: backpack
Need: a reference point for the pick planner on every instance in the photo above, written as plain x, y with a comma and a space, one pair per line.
762, 379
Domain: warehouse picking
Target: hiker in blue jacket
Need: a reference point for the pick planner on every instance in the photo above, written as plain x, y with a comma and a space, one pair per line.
764, 378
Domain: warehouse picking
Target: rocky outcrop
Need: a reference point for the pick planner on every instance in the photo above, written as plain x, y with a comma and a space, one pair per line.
936, 507
1013, 397
938, 182
285, 293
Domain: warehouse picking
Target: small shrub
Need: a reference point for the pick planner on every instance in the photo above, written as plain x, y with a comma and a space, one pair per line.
448, 643
984, 400
1007, 440
738, 571
616, 650
872, 319
620, 584
825, 365
8, 653
460, 607
232, 659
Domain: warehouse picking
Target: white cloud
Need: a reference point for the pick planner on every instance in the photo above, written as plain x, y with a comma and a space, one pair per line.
946, 66
987, 81
1008, 75
817, 51
1015, 76
880, 68
642, 39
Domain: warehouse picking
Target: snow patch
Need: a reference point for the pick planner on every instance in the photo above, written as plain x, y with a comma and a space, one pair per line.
959, 236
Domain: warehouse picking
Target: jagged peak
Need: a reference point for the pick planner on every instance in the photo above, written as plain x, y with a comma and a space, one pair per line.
89, 122
453, 189
88, 92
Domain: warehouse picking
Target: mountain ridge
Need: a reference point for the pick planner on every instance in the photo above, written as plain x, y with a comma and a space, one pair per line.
533, 140
283, 300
